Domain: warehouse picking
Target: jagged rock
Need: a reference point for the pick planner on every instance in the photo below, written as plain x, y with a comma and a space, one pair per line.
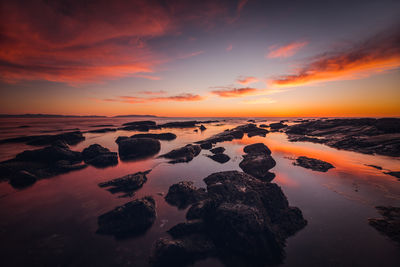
183, 194
130, 219
131, 148
389, 225
202, 127
160, 136
99, 156
221, 158
127, 184
183, 154
313, 164
258, 162
217, 150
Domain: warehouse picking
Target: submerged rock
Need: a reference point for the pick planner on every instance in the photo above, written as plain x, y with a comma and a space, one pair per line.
217, 150
183, 154
132, 148
220, 157
160, 136
127, 184
389, 225
258, 161
99, 156
313, 164
242, 220
183, 194
130, 219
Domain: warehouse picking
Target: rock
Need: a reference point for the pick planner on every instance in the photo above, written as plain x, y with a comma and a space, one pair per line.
277, 126
375, 167
130, 219
259, 132
367, 135
195, 130
22, 179
140, 123
183, 154
202, 127
141, 126
389, 225
217, 150
50, 154
258, 148
242, 220
70, 138
160, 136
179, 124
313, 164
101, 125
206, 145
263, 126
183, 194
120, 138
132, 148
395, 174
221, 158
99, 156
127, 184
103, 130
253, 121
258, 162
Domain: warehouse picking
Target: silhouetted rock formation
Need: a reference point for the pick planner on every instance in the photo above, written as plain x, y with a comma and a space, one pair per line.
395, 174
103, 130
183, 154
183, 194
258, 162
99, 156
70, 138
160, 136
217, 150
220, 158
389, 225
313, 164
132, 148
127, 184
277, 126
130, 219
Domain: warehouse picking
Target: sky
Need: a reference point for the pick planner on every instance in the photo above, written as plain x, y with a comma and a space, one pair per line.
200, 58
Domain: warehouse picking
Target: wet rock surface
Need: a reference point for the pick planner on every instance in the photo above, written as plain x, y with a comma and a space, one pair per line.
99, 156
183, 194
103, 130
220, 157
258, 161
183, 154
127, 184
179, 124
132, 148
130, 219
141, 126
243, 221
217, 150
380, 136
70, 138
389, 224
160, 136
313, 164
277, 126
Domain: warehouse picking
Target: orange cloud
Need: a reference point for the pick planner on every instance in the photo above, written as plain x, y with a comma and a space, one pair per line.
285, 51
161, 92
235, 92
138, 100
247, 80
376, 55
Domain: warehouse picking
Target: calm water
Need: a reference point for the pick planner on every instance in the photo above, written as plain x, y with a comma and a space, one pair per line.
53, 222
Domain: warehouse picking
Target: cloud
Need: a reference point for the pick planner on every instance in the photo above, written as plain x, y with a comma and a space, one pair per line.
229, 48
235, 92
138, 100
246, 80
285, 51
161, 92
261, 100
375, 55
89, 41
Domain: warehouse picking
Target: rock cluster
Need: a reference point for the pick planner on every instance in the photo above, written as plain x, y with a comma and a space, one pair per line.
258, 161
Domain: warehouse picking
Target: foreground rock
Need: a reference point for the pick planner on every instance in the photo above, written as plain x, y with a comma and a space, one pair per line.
99, 156
183, 154
380, 136
160, 136
258, 162
127, 184
220, 158
31, 165
70, 138
389, 225
132, 148
243, 221
183, 194
130, 219
313, 164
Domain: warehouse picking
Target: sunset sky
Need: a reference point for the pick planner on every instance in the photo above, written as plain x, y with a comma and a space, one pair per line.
200, 58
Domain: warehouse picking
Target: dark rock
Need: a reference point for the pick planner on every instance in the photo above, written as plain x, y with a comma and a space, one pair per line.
140, 123
221, 158
99, 156
258, 161
179, 124
313, 164
283, 121
374, 166
183, 154
395, 174
103, 130
263, 126
206, 145
127, 184
130, 219
259, 132
183, 194
389, 225
49, 154
70, 138
160, 136
195, 130
132, 148
202, 127
257, 149
253, 121
277, 126
120, 138
217, 150
22, 179
186, 228
139, 128
102, 125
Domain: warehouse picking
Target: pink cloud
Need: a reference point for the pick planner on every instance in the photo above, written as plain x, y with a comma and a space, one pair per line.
247, 80
286, 51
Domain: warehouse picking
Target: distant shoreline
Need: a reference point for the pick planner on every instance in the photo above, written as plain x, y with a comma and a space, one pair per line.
69, 116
